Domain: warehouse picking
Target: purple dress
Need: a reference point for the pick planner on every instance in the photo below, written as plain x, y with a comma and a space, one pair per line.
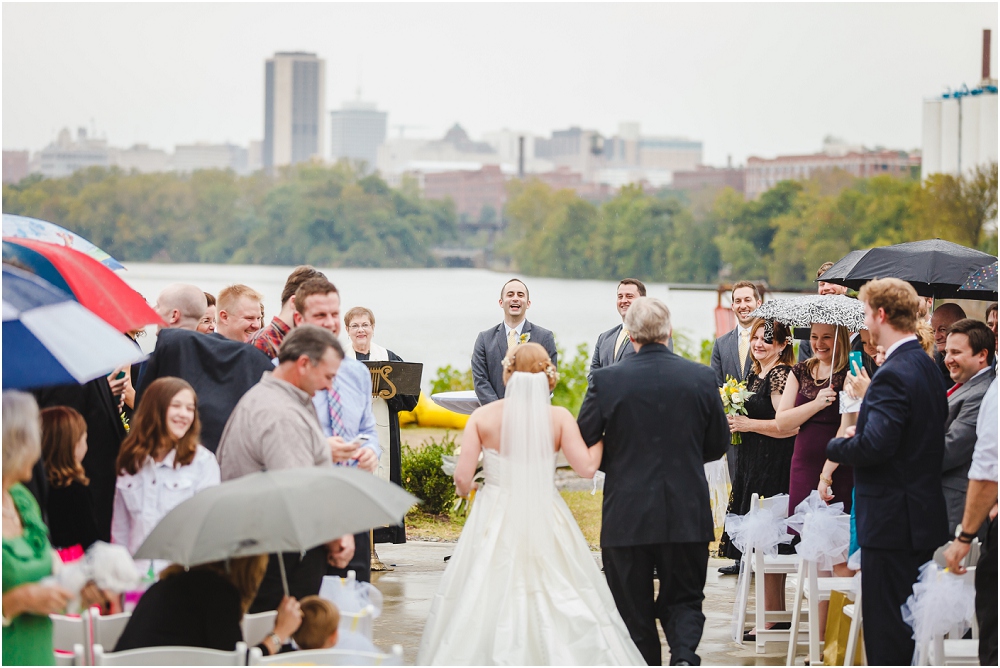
809, 455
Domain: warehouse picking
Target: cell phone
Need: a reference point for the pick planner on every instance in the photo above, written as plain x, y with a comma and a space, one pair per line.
120, 375
360, 439
854, 359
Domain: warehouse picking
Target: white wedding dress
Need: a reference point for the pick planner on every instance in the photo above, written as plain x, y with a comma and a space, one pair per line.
522, 587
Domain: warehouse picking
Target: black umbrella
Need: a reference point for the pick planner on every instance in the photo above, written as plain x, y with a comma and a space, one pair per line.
984, 278
935, 268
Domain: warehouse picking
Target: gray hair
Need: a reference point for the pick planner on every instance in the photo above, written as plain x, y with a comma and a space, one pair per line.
189, 300
308, 340
648, 321
22, 432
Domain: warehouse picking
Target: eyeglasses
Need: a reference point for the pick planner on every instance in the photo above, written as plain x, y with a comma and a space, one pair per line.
355, 327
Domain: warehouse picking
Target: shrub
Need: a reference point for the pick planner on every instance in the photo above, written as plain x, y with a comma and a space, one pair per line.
422, 475
450, 379
572, 385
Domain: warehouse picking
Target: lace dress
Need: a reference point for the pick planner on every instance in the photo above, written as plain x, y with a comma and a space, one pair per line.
522, 587
810, 444
763, 462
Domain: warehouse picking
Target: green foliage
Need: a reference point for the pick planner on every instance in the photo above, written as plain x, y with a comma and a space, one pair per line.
683, 346
422, 475
450, 379
327, 216
572, 385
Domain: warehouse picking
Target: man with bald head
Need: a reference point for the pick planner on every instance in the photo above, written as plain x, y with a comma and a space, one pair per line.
181, 306
943, 318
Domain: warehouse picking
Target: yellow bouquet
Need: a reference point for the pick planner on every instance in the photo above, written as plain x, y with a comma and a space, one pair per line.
734, 398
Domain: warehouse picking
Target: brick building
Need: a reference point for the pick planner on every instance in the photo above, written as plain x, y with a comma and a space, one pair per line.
711, 177
15, 166
470, 190
762, 174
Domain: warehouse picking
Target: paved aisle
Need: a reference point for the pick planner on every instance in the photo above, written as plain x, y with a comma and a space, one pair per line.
408, 591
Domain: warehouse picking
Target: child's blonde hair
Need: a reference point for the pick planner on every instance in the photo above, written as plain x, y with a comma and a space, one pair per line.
320, 620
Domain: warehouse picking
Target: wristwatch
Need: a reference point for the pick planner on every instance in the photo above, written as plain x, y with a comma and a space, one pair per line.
963, 537
275, 641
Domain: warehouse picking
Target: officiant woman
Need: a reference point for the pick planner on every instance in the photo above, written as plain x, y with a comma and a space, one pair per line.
360, 323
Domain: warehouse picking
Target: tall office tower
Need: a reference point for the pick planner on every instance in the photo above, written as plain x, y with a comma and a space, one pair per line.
294, 101
356, 131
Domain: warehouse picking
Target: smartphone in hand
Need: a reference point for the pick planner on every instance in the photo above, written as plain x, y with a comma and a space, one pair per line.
854, 362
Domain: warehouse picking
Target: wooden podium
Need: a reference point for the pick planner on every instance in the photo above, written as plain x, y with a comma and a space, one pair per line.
388, 380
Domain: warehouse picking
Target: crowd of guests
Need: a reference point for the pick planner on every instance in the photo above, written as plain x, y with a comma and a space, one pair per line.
901, 466
222, 395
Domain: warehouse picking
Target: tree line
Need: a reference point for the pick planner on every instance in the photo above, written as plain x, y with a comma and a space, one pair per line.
334, 216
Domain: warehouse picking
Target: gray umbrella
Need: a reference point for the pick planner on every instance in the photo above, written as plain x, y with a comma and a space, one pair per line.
291, 510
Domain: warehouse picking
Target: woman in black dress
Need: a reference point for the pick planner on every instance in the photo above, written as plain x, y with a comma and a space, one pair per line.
69, 505
765, 455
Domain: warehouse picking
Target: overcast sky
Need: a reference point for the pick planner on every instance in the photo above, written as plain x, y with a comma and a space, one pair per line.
745, 79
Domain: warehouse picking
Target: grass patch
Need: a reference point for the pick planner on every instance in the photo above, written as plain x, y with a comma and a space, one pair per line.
586, 508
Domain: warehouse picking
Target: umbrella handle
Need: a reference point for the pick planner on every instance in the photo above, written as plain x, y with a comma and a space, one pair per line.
284, 576
833, 358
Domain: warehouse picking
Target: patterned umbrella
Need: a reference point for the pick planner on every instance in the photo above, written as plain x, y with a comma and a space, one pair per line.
808, 309
984, 278
32, 228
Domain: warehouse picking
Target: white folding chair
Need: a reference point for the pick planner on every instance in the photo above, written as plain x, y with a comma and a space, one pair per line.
953, 650
172, 656
67, 632
362, 622
105, 630
853, 610
760, 565
328, 657
257, 626
811, 590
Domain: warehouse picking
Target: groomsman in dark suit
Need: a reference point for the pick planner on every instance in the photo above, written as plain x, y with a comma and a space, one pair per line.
967, 356
896, 451
492, 344
661, 420
613, 345
731, 351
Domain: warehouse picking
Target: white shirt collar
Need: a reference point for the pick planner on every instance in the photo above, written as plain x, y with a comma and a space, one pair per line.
905, 339
518, 329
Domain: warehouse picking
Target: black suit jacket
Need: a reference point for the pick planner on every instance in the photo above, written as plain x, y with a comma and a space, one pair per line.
220, 371
726, 358
661, 419
896, 454
491, 348
604, 351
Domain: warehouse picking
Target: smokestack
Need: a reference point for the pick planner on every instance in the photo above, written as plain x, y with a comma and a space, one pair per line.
986, 57
520, 157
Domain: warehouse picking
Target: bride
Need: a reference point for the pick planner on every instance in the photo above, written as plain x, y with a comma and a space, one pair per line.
522, 587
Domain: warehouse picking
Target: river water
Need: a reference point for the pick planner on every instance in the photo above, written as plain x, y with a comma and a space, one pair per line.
433, 315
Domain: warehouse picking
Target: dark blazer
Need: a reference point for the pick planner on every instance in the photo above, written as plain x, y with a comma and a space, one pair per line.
661, 419
896, 454
726, 358
71, 516
604, 351
491, 348
960, 441
220, 371
105, 433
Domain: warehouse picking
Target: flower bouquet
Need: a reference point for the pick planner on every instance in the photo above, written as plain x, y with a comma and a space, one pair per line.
734, 397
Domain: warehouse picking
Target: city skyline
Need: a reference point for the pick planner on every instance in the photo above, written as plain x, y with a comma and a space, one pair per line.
748, 80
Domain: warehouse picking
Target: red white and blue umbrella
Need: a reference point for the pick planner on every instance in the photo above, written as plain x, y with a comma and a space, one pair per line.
32, 228
49, 339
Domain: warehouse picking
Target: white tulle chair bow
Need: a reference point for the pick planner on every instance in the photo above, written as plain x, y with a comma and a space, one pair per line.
941, 603
828, 536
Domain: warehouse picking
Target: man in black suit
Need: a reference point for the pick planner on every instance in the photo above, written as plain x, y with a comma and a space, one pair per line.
613, 345
492, 344
661, 420
967, 356
220, 370
731, 351
896, 451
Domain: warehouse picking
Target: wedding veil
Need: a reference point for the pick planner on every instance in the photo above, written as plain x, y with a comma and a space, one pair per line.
526, 445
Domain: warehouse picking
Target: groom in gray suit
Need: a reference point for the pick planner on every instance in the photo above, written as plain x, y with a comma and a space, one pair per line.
614, 345
731, 352
492, 344
967, 357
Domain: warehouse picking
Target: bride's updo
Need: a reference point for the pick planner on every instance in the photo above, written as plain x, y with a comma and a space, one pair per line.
529, 358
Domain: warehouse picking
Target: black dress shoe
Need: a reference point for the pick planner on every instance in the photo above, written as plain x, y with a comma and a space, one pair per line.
751, 636
730, 570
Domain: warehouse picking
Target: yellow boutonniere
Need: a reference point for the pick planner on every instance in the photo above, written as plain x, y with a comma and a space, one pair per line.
524, 338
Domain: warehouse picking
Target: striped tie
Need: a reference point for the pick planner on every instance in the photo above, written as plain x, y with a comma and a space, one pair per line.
336, 415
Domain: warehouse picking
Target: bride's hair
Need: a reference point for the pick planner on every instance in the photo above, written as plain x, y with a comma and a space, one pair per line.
529, 358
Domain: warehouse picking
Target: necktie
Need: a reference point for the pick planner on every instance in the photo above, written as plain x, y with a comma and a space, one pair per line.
744, 349
955, 387
622, 338
511, 339
336, 414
